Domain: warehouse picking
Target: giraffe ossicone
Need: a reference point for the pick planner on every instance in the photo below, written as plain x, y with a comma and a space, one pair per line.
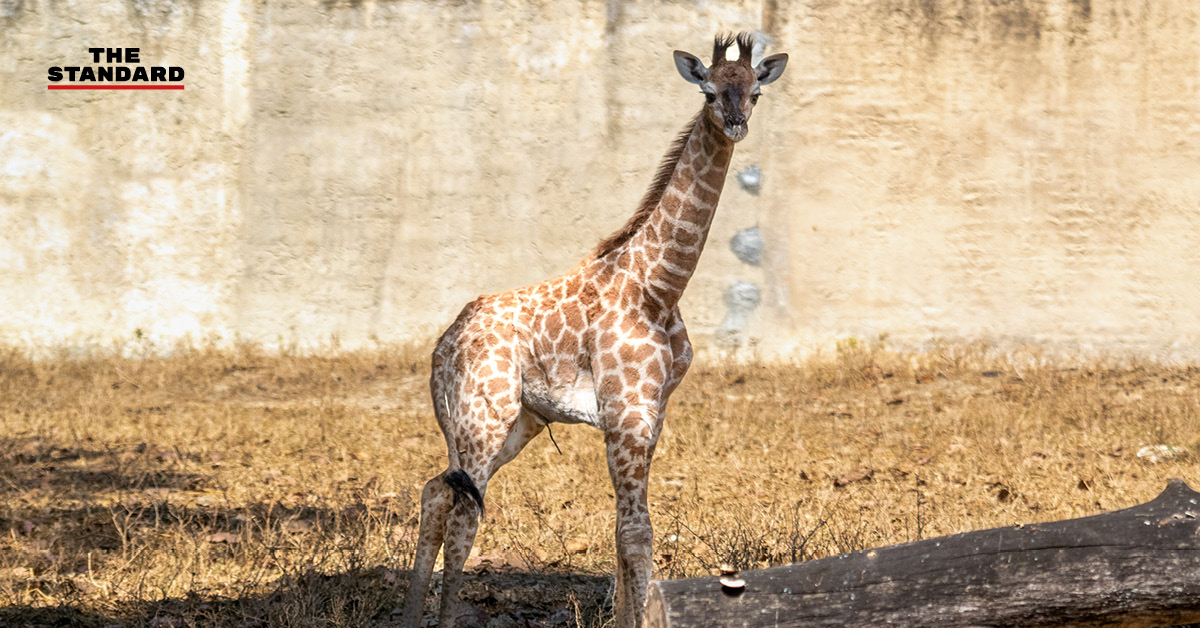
603, 345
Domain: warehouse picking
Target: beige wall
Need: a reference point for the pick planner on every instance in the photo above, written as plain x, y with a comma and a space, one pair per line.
1016, 170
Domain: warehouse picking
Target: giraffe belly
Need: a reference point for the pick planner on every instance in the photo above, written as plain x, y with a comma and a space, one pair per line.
565, 403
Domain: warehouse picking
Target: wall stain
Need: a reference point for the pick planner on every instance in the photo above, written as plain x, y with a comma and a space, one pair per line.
12, 10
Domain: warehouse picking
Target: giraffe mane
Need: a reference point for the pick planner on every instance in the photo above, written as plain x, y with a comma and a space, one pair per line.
658, 187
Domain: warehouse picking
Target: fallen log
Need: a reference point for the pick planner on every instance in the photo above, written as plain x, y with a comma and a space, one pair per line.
1134, 567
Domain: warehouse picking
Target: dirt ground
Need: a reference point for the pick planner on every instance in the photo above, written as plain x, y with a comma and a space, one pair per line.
235, 488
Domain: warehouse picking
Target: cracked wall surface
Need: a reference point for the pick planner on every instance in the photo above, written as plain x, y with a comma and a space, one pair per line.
1021, 171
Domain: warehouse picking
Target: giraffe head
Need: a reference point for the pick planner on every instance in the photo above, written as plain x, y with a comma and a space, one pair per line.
731, 88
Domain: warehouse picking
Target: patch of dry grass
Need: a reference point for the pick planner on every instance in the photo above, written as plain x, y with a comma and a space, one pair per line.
238, 488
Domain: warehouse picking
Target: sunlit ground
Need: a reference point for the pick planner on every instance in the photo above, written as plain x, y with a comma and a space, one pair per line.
237, 488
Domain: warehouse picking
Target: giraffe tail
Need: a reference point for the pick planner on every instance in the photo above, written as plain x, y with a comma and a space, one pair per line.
458, 480
464, 486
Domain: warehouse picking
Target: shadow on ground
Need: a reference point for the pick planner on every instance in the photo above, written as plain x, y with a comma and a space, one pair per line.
65, 511
367, 597
34, 464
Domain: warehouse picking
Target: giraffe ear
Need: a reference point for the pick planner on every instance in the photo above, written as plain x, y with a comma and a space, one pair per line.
690, 68
771, 68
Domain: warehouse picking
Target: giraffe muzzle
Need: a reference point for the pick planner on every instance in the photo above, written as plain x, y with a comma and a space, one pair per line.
736, 131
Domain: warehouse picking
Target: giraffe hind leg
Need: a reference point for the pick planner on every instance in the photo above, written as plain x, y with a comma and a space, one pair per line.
518, 429
437, 501
460, 537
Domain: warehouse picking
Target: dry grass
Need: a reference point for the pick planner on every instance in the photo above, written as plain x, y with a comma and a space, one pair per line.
237, 488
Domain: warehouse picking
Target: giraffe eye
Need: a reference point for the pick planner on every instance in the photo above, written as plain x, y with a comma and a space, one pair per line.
710, 98
754, 99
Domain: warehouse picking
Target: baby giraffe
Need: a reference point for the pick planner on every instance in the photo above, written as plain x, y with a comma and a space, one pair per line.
603, 344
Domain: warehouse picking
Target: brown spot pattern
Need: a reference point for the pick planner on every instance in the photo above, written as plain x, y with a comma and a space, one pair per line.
611, 323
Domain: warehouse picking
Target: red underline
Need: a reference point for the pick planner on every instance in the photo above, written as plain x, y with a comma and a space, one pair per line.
114, 87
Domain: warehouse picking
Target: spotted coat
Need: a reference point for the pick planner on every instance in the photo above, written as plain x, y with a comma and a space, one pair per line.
603, 345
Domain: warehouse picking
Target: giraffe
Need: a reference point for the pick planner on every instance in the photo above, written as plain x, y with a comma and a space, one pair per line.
603, 345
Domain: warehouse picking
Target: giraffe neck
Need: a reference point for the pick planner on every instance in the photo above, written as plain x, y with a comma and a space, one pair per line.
671, 239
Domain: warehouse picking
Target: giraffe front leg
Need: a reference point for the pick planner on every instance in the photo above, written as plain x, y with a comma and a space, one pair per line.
630, 447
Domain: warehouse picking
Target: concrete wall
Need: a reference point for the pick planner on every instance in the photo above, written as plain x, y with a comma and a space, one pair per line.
1015, 170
